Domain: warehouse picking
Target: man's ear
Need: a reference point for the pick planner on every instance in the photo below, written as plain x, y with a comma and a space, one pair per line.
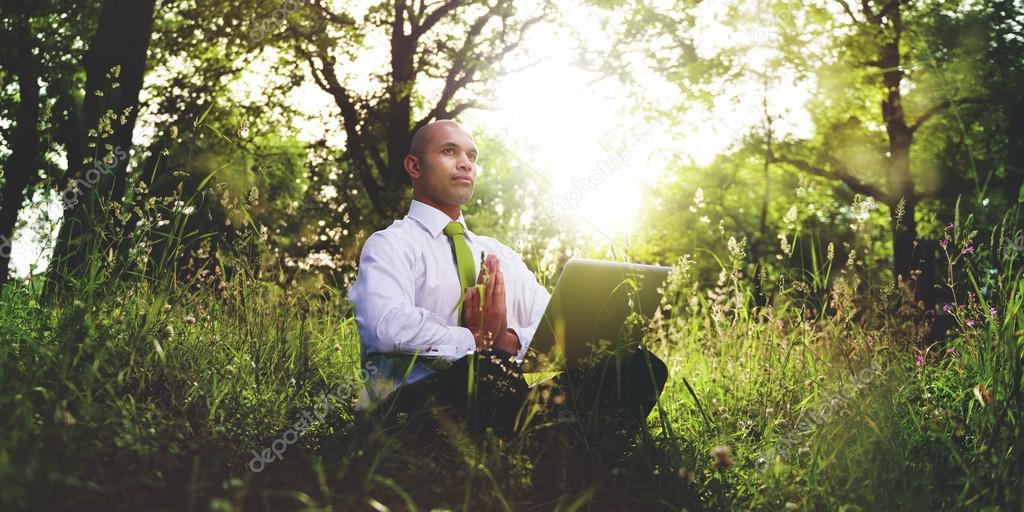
412, 166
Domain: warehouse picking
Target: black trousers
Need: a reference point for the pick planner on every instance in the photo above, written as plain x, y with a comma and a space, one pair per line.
486, 390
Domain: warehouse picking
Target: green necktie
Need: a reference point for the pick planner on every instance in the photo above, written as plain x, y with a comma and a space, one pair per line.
463, 258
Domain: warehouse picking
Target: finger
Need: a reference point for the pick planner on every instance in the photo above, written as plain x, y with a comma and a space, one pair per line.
489, 291
492, 262
487, 270
500, 293
496, 296
501, 285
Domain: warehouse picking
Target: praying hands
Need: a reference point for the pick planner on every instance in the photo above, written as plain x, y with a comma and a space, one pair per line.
488, 319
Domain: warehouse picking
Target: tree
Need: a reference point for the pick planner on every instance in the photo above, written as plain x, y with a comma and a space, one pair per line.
458, 43
21, 167
114, 66
877, 91
38, 57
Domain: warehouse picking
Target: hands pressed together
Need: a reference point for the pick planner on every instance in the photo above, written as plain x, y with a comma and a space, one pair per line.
489, 321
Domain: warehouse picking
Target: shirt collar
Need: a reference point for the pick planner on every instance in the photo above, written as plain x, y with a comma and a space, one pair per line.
434, 220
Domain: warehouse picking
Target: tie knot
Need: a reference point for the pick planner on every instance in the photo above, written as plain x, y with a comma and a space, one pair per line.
453, 228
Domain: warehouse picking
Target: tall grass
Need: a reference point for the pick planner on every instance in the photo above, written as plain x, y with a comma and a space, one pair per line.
145, 393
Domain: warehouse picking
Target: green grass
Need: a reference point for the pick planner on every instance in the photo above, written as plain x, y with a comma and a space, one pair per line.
139, 395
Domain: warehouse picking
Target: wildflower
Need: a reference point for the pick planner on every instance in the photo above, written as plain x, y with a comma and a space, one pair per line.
948, 308
993, 312
64, 416
971, 323
190, 320
949, 226
944, 243
982, 394
723, 457
919, 359
969, 249
951, 351
167, 332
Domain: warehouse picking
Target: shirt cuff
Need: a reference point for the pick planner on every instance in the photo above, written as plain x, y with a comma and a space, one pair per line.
524, 345
463, 344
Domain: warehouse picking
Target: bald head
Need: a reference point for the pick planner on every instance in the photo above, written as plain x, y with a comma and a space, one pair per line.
423, 137
442, 166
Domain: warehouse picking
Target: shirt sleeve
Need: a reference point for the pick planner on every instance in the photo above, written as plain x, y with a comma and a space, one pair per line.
528, 305
383, 296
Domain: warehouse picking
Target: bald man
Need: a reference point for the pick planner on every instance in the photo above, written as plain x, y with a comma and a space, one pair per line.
439, 348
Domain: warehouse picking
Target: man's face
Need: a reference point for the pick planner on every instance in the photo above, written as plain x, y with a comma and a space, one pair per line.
447, 167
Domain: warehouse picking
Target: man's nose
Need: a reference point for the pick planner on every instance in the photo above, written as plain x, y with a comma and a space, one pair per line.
465, 163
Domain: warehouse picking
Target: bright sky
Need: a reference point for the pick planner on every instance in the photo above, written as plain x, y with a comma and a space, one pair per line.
588, 140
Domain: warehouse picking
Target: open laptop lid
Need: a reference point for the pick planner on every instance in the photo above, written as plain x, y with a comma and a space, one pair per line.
591, 302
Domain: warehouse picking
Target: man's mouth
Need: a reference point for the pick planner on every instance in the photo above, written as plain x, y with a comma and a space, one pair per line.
467, 179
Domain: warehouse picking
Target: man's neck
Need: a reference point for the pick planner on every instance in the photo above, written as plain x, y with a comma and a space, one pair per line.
452, 211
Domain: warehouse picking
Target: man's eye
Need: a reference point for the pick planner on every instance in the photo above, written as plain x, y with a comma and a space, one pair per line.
446, 151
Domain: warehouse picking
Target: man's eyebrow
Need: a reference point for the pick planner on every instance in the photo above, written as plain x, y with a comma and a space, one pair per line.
449, 143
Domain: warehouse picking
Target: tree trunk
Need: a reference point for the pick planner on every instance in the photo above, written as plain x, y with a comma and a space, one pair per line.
21, 170
114, 65
902, 201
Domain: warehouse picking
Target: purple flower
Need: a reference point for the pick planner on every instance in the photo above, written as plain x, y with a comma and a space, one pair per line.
951, 351
948, 308
944, 243
969, 249
971, 323
993, 311
919, 359
949, 226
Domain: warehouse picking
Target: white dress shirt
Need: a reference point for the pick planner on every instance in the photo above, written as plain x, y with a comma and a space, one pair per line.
405, 297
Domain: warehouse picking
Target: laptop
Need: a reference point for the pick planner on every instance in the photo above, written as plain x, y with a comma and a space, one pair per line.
588, 312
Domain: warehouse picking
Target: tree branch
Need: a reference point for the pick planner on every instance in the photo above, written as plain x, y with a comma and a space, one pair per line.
865, 8
849, 11
839, 174
326, 78
454, 82
460, 108
942, 106
889, 8
434, 17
